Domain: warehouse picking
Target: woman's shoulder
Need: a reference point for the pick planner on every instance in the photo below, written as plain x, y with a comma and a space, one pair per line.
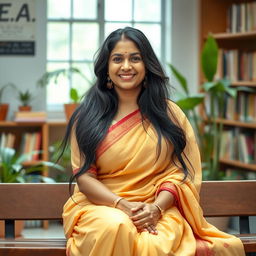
174, 109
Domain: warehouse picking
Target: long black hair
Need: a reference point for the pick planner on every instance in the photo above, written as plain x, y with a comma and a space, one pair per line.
93, 117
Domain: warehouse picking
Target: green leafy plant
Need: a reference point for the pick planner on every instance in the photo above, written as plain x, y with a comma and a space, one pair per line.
12, 169
213, 92
3, 88
65, 160
54, 76
25, 97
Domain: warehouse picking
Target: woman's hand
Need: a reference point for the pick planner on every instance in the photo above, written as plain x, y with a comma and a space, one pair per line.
146, 218
128, 207
136, 211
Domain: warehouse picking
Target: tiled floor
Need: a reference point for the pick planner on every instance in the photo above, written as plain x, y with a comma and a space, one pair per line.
54, 231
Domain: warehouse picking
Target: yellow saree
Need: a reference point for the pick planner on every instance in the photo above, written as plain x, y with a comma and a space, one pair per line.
127, 164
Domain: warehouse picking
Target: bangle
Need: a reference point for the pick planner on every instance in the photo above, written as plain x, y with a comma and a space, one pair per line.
116, 201
160, 209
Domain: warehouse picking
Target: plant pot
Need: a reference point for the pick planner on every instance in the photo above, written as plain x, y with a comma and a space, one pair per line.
69, 109
25, 108
3, 111
19, 225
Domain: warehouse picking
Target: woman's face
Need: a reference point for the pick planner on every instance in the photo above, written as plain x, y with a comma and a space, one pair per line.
125, 67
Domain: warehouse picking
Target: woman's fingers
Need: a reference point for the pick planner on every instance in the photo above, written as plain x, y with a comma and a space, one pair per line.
138, 207
140, 215
150, 228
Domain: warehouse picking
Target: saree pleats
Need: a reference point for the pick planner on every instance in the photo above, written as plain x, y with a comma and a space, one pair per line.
128, 165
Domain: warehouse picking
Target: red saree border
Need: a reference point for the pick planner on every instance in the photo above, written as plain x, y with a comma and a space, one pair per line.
202, 247
122, 120
92, 170
117, 130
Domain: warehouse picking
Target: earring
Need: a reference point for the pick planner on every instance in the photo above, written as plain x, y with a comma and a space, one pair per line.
109, 83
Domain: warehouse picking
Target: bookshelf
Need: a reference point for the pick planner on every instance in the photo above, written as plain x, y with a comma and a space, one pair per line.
233, 24
49, 132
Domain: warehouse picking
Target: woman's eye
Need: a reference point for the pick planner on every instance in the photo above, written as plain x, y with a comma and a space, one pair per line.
136, 58
117, 59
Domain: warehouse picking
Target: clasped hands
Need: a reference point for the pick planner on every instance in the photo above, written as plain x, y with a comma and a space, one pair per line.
144, 216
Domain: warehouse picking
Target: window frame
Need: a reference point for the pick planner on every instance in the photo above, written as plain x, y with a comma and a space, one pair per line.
165, 24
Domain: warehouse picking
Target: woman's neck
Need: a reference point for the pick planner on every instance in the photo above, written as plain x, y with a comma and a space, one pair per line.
127, 103
128, 99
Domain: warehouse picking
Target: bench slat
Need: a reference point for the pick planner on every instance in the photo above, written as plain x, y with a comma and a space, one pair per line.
45, 201
228, 198
32, 251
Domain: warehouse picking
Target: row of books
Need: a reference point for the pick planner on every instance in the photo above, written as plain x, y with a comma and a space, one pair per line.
238, 145
242, 17
237, 65
31, 141
30, 116
7, 140
242, 108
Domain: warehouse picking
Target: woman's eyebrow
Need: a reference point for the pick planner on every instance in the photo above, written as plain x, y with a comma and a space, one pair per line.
120, 54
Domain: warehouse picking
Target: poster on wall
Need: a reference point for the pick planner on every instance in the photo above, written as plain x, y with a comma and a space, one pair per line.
17, 27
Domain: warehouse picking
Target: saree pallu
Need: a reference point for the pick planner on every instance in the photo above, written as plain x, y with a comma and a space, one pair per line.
128, 165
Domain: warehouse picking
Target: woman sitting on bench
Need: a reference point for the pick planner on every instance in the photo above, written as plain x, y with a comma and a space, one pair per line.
136, 163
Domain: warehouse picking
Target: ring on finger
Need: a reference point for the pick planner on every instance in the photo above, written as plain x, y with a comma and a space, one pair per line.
146, 225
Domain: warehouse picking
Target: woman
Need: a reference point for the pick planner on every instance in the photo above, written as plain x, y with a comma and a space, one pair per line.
136, 163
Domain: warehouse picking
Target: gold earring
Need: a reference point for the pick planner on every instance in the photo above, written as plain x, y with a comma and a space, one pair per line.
109, 83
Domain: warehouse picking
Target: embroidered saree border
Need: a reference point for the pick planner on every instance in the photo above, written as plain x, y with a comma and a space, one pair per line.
117, 130
92, 170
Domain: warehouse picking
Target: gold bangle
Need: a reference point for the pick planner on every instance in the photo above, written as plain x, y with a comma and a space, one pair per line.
159, 208
116, 201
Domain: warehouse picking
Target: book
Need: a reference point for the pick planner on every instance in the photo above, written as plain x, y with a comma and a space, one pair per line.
30, 116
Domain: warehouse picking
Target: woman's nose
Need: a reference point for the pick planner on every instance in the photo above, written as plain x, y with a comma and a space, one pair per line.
126, 65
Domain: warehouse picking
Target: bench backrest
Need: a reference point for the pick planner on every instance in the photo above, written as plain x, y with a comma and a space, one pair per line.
45, 201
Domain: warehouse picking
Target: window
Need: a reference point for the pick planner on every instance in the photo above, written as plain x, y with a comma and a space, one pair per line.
76, 29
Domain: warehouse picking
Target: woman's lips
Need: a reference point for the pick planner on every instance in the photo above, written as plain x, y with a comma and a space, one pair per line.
126, 76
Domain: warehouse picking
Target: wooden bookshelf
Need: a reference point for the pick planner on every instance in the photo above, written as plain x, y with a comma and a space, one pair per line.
244, 83
235, 163
227, 122
234, 36
47, 130
214, 20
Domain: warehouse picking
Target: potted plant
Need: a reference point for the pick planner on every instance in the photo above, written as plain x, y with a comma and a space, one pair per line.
74, 96
25, 99
207, 129
65, 160
13, 171
4, 107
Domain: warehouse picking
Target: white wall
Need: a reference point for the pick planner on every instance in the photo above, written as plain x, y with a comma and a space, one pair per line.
185, 41
24, 71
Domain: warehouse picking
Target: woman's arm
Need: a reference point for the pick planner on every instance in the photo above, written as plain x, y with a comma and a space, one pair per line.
95, 191
164, 200
99, 194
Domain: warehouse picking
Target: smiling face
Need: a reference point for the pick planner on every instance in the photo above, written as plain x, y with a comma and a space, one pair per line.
125, 67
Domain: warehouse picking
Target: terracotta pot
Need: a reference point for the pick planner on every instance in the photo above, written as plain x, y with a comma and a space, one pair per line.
69, 109
3, 111
19, 225
25, 108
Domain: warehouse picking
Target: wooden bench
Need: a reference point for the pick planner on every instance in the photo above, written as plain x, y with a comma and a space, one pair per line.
45, 201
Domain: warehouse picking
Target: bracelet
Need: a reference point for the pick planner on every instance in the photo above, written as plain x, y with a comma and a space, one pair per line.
159, 208
116, 201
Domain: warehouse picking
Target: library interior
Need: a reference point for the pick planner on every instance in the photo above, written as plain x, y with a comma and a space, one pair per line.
207, 49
